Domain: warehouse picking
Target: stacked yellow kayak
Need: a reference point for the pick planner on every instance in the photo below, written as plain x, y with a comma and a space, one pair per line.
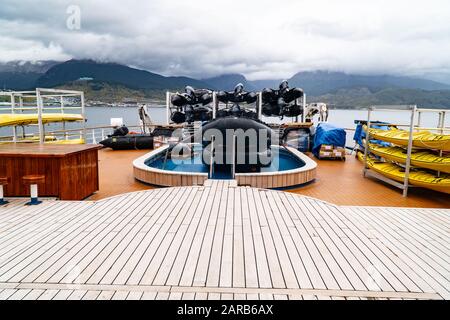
419, 178
419, 158
422, 139
27, 119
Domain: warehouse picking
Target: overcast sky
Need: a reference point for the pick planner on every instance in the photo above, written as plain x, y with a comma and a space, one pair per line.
261, 39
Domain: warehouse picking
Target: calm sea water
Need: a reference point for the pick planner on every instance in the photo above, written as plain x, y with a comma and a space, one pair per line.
100, 116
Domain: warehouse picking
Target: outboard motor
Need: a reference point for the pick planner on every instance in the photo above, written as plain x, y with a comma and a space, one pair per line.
192, 105
120, 132
282, 102
178, 117
236, 97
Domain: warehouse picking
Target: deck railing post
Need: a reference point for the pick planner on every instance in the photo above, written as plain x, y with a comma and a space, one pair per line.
168, 107
62, 104
13, 111
366, 147
83, 114
40, 103
444, 113
410, 147
94, 141
303, 106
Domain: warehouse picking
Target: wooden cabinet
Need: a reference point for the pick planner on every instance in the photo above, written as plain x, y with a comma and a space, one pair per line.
71, 171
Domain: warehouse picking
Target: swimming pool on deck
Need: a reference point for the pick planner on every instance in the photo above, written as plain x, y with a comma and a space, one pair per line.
289, 168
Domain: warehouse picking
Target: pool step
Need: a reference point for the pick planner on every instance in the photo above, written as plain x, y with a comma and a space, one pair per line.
225, 183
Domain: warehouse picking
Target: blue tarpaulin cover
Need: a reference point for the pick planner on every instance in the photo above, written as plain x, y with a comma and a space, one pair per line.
360, 134
328, 134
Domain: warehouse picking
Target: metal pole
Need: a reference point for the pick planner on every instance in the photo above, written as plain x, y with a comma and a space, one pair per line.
94, 141
40, 124
234, 157
260, 104
83, 113
13, 107
214, 104
167, 107
66, 137
439, 119
303, 107
366, 148
211, 163
410, 147
442, 125
62, 104
21, 103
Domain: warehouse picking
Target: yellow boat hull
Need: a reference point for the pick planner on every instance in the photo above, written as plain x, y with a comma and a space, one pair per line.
419, 158
71, 141
418, 178
422, 139
49, 140
27, 119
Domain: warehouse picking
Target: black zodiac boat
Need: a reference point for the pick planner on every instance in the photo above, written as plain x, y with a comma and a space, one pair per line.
122, 140
282, 102
129, 142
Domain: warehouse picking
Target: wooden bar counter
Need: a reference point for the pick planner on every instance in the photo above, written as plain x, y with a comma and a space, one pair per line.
71, 171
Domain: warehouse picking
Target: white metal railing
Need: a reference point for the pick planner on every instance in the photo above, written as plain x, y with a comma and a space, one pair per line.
41, 101
93, 134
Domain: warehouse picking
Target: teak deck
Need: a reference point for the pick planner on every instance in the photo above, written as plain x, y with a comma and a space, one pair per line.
71, 171
220, 241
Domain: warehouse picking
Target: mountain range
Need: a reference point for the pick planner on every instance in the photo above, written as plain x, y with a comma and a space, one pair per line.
99, 77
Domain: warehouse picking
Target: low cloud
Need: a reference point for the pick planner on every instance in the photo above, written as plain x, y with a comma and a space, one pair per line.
261, 39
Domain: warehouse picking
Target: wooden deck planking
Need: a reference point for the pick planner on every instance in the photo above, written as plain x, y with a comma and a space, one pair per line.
51, 256
221, 241
425, 269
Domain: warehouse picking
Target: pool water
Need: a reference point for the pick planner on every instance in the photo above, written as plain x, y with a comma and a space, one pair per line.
282, 160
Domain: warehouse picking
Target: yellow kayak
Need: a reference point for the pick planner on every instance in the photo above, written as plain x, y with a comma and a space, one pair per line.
419, 158
48, 140
71, 141
419, 178
422, 139
27, 119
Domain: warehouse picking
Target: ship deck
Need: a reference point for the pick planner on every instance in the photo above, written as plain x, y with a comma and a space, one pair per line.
220, 241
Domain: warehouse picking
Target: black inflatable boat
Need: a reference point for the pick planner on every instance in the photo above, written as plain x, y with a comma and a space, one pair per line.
129, 142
